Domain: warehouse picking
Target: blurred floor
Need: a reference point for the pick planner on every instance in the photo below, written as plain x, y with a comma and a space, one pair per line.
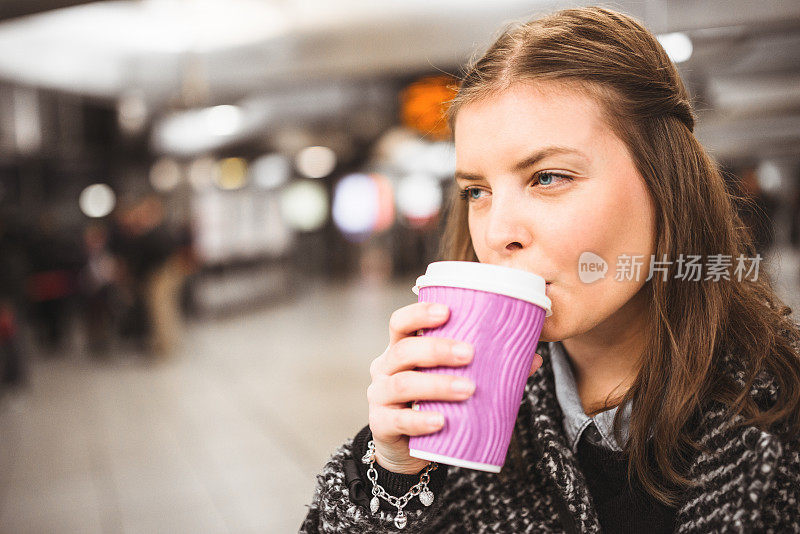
225, 438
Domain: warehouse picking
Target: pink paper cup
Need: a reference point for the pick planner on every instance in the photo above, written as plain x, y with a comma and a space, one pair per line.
500, 311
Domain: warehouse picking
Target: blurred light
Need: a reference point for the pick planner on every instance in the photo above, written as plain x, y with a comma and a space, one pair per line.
355, 205
202, 173
412, 155
27, 123
385, 203
165, 175
223, 120
232, 173
386, 146
273, 231
132, 113
270, 171
769, 176
423, 105
407, 154
304, 205
202, 131
97, 200
316, 161
419, 198
677, 45
204, 25
210, 223
363, 204
440, 159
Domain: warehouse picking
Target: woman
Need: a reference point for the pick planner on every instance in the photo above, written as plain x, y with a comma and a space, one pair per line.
662, 400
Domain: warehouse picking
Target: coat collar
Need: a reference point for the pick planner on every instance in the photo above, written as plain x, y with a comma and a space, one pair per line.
555, 457
750, 451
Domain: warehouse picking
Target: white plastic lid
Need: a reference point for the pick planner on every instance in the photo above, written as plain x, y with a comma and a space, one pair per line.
487, 277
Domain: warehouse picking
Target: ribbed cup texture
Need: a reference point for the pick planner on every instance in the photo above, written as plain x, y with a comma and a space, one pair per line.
504, 332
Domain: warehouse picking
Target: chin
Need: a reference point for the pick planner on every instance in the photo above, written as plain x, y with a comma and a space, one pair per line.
550, 332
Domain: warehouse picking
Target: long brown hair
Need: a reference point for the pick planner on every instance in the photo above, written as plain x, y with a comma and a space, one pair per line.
613, 58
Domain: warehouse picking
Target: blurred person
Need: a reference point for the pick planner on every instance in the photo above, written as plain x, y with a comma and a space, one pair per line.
13, 272
122, 244
163, 276
98, 280
658, 405
13, 370
188, 263
154, 270
54, 261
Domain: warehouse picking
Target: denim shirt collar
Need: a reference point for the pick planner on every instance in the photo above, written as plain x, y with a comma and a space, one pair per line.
575, 419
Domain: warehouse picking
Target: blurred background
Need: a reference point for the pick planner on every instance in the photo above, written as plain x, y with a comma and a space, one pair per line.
210, 208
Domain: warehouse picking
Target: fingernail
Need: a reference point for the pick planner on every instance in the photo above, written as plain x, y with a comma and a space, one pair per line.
436, 420
463, 386
438, 310
463, 351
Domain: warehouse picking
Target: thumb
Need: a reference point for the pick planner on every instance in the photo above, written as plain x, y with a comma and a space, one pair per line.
537, 362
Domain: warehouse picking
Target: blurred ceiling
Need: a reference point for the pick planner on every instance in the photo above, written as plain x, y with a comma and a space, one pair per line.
745, 69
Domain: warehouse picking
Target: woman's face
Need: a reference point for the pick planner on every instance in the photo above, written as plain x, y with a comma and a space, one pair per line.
546, 181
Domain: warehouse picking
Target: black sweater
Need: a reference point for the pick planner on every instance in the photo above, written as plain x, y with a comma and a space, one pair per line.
621, 506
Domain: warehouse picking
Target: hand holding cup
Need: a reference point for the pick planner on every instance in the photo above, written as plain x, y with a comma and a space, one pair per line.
396, 383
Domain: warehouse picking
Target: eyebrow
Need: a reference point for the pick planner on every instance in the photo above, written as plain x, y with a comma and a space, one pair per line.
529, 161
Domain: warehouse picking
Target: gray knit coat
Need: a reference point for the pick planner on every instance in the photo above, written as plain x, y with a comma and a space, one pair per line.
749, 481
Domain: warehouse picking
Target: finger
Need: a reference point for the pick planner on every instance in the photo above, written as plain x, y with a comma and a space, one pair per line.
537, 362
417, 385
389, 423
407, 320
422, 351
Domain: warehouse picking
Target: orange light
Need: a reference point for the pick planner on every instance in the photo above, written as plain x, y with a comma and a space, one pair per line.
424, 104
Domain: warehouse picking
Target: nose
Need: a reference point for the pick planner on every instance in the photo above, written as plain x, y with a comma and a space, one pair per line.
509, 226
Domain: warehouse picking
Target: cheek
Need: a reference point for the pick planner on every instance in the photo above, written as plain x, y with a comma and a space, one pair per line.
612, 222
475, 234
612, 225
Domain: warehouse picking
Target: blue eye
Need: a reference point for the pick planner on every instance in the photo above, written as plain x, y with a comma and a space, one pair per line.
543, 178
470, 193
549, 177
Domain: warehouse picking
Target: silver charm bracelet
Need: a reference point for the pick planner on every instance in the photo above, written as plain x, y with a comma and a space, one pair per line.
421, 489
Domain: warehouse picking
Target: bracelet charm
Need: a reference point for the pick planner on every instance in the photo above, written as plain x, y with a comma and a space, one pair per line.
426, 497
421, 489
